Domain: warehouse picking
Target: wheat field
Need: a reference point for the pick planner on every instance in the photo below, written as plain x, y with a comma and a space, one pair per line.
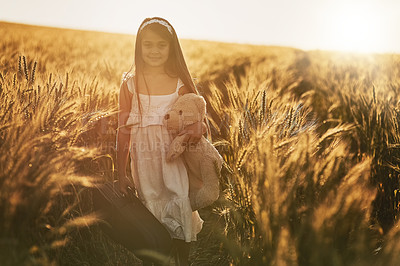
310, 141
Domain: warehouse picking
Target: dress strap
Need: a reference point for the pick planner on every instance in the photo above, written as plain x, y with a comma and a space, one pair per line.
179, 85
129, 79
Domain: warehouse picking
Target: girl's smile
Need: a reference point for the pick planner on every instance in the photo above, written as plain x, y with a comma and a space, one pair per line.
155, 50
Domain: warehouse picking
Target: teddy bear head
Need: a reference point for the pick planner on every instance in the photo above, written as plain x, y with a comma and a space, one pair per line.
188, 109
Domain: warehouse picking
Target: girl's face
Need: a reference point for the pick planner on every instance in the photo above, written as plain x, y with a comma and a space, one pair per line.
155, 50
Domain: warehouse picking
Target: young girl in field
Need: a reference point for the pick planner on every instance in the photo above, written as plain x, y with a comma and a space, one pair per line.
159, 76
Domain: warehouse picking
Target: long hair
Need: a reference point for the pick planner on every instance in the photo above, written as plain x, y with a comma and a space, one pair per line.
175, 65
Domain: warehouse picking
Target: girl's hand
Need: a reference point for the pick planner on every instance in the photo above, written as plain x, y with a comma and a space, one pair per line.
193, 132
124, 183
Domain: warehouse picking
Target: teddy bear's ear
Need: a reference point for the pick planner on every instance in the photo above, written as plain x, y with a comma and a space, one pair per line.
201, 105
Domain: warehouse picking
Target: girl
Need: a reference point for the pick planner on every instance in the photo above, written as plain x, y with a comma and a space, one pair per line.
160, 75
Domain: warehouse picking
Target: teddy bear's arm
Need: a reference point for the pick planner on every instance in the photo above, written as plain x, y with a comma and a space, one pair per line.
176, 147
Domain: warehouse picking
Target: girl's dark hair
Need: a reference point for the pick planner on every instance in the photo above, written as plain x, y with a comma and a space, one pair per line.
175, 65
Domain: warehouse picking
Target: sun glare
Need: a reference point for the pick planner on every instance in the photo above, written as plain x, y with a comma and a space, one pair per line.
356, 28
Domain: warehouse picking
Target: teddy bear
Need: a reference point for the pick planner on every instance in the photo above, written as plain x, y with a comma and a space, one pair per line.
203, 162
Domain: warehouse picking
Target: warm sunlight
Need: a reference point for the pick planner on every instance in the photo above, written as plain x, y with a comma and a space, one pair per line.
356, 27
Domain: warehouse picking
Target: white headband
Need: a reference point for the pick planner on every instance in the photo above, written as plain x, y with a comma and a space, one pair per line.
162, 22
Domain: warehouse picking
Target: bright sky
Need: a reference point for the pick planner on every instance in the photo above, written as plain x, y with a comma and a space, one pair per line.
351, 25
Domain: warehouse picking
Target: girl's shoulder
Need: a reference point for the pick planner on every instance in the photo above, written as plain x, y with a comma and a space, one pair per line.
128, 81
126, 76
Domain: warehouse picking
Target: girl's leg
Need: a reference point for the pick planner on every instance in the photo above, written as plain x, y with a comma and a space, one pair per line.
183, 250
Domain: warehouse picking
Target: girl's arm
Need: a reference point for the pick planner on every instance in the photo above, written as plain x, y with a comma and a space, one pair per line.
123, 137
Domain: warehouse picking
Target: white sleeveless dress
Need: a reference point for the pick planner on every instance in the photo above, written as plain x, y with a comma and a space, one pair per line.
162, 186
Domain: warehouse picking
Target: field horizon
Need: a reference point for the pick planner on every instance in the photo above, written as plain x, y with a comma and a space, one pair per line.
5, 23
